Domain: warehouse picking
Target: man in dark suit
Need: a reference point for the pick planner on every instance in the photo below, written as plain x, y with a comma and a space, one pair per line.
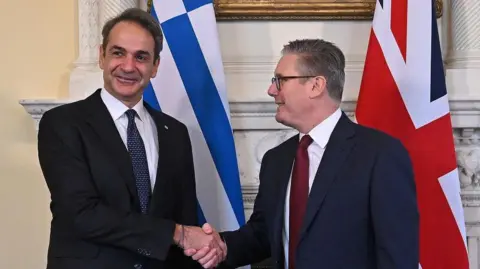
120, 174
337, 195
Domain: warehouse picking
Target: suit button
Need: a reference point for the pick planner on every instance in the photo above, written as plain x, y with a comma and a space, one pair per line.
137, 266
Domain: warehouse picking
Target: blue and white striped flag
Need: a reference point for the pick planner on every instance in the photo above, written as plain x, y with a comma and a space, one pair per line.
190, 86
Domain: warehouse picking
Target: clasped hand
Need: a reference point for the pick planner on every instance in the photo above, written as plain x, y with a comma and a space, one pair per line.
203, 245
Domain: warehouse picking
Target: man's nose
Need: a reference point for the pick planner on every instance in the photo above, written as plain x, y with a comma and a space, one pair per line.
128, 64
272, 90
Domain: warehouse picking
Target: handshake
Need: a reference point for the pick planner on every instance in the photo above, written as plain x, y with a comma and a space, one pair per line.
202, 244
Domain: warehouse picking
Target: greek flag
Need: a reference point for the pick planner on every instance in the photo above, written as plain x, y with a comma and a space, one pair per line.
190, 86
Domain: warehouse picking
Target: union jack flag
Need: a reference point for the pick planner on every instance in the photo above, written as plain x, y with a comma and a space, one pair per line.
403, 93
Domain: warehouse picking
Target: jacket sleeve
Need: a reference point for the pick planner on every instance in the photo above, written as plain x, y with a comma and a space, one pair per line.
187, 213
76, 199
250, 244
395, 216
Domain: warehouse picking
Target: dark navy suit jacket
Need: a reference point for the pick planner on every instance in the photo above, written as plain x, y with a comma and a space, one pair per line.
361, 214
97, 222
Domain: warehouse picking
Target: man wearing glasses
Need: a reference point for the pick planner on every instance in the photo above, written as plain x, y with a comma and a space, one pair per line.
336, 195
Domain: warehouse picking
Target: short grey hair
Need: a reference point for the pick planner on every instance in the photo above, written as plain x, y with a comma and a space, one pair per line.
318, 57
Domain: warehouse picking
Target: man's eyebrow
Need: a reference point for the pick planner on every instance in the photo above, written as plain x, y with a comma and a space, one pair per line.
138, 52
143, 52
115, 47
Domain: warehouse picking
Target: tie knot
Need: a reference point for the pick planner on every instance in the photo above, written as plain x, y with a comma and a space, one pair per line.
305, 142
131, 114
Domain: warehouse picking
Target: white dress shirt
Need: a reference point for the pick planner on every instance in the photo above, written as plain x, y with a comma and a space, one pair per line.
320, 135
145, 125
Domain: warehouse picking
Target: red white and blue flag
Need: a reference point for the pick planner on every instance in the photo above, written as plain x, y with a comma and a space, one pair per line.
403, 93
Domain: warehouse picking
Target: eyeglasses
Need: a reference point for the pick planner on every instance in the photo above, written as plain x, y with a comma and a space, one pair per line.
277, 80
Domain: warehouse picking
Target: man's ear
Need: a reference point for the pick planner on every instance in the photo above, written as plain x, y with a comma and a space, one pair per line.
319, 86
156, 63
101, 56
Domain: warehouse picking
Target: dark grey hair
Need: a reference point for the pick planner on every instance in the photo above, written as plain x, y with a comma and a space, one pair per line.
140, 17
318, 57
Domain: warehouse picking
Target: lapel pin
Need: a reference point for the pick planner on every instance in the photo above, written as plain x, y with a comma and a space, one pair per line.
165, 126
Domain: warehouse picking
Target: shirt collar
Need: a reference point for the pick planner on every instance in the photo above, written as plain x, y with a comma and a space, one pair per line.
118, 109
322, 132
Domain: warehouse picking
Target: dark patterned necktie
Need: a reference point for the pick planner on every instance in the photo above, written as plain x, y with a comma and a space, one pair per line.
138, 156
298, 196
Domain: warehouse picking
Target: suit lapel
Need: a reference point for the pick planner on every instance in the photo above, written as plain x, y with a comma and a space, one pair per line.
103, 125
164, 166
336, 152
284, 163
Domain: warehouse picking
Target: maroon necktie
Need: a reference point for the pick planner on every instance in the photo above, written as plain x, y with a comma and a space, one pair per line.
298, 196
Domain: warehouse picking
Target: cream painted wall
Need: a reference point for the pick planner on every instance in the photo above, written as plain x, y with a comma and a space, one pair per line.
38, 46
251, 51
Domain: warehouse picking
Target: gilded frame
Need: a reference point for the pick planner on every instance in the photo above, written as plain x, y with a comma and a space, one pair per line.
299, 9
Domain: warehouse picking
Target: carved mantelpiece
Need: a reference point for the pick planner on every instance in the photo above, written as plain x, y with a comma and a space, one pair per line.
467, 141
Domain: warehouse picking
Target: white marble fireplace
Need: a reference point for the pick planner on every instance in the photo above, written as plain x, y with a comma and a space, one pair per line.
252, 116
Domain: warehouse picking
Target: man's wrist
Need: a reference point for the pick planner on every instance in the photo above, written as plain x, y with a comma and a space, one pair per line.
222, 237
179, 235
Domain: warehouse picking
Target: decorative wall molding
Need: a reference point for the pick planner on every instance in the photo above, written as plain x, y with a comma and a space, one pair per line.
253, 115
266, 64
465, 41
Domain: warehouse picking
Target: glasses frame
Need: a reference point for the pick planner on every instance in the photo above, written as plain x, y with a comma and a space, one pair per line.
277, 80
